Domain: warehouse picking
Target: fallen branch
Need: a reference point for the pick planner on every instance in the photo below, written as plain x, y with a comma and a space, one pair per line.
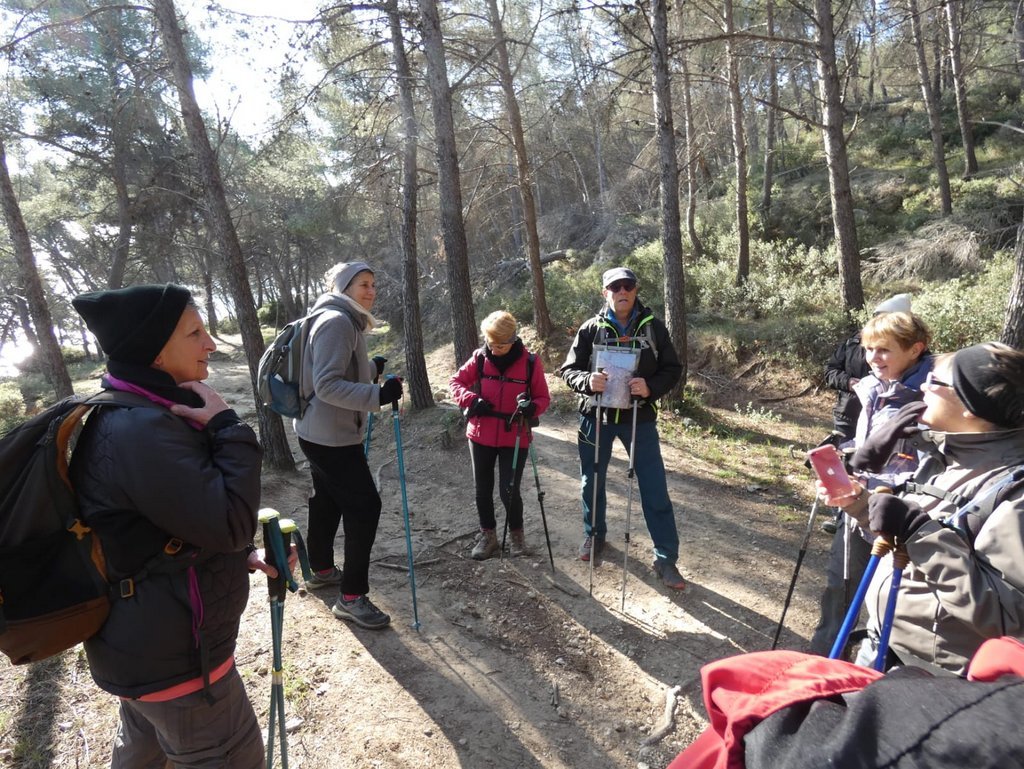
667, 719
376, 476
405, 566
787, 397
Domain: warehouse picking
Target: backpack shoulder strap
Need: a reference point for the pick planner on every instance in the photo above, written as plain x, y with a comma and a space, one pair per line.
971, 516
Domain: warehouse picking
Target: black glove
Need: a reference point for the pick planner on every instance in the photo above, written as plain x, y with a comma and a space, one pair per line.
525, 406
391, 391
894, 516
480, 408
378, 361
872, 455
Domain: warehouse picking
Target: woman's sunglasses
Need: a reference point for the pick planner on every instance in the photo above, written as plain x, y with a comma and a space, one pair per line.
619, 285
933, 381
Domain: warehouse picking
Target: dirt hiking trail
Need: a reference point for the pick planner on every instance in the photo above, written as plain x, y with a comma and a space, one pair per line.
513, 666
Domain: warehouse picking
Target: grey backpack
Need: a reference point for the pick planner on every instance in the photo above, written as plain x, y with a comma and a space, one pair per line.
280, 370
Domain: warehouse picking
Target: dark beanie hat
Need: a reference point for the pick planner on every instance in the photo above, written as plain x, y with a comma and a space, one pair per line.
133, 324
983, 388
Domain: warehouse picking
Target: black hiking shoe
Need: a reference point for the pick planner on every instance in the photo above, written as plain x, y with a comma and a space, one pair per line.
362, 612
328, 578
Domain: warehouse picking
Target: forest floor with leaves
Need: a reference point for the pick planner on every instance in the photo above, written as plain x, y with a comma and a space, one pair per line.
512, 665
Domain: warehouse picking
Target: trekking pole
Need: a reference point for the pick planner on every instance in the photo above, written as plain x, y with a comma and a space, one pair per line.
796, 570
540, 501
405, 511
369, 418
880, 548
275, 543
593, 504
629, 503
900, 559
517, 417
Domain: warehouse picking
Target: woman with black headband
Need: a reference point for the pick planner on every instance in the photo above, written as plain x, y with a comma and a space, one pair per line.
962, 519
171, 484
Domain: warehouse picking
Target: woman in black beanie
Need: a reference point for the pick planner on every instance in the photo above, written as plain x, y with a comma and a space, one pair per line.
172, 486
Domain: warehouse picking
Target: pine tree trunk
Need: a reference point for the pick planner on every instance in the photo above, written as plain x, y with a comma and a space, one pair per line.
843, 223
739, 148
1013, 321
953, 11
275, 443
668, 174
418, 382
931, 103
47, 347
453, 229
769, 131
696, 247
541, 316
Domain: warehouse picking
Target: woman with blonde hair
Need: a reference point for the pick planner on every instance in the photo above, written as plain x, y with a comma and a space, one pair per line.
501, 389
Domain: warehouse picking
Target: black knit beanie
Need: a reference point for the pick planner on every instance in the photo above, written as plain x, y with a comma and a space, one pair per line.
973, 377
133, 324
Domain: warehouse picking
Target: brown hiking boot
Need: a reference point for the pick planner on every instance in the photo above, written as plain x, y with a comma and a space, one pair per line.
518, 547
587, 546
669, 575
486, 545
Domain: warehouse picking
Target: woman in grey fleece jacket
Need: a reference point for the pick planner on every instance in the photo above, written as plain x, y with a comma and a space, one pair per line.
338, 372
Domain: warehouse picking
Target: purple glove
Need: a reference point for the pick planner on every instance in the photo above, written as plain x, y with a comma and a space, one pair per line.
895, 517
872, 455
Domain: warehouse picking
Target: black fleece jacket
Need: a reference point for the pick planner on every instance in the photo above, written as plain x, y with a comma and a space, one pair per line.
144, 476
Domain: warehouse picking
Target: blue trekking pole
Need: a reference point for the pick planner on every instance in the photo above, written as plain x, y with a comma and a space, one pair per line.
378, 361
880, 548
405, 510
900, 559
369, 432
518, 418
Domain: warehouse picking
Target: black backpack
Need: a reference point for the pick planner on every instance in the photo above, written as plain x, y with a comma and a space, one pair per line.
480, 376
53, 582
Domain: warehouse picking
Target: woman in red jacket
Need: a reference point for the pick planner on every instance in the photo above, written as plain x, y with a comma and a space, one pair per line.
501, 389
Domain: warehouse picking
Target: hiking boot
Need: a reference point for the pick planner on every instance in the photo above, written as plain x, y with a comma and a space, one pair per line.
327, 578
518, 547
362, 612
587, 546
830, 525
669, 575
486, 545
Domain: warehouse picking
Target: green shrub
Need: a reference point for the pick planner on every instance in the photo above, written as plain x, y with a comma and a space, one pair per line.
966, 311
786, 278
12, 406
228, 325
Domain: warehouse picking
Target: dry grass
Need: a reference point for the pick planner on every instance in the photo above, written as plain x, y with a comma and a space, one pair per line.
937, 251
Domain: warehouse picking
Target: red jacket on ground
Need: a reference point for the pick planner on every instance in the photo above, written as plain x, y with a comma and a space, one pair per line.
742, 692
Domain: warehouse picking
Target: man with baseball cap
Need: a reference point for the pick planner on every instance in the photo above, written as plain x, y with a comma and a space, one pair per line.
625, 322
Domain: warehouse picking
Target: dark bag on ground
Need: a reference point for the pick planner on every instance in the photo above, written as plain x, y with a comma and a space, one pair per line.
53, 583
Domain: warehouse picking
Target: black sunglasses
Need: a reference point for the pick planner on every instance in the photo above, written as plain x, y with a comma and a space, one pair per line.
933, 381
618, 285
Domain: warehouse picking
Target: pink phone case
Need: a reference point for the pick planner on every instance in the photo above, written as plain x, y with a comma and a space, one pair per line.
829, 466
